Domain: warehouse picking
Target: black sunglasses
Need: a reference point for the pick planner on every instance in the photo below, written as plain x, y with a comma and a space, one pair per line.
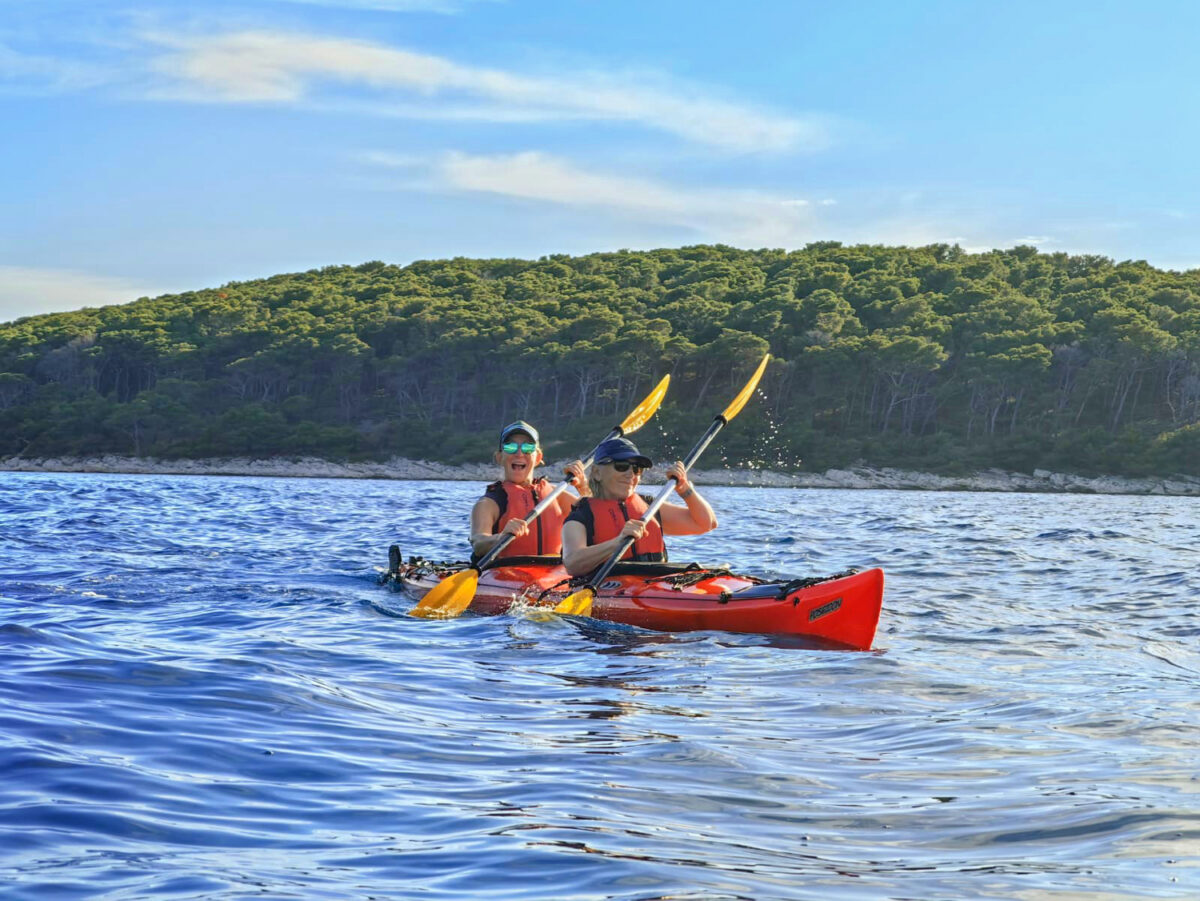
623, 466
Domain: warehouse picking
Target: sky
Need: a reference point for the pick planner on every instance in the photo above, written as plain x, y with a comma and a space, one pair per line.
155, 147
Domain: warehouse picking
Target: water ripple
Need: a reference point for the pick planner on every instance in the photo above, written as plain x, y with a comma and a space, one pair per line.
204, 694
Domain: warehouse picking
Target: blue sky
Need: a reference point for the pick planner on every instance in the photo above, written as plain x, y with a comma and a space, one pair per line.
160, 147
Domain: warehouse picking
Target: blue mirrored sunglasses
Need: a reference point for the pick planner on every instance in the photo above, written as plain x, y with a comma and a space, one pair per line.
525, 447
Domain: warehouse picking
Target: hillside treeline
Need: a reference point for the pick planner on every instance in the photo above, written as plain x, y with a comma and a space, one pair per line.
926, 357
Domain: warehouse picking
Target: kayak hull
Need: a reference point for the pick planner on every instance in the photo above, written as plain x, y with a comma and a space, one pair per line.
841, 610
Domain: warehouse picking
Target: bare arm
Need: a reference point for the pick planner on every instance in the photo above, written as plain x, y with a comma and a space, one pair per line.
484, 516
694, 519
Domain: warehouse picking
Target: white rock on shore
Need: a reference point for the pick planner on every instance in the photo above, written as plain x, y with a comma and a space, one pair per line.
397, 468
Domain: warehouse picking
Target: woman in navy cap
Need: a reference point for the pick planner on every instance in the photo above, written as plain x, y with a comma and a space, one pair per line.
506, 503
598, 524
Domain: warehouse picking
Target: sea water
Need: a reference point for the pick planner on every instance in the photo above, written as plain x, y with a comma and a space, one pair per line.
204, 693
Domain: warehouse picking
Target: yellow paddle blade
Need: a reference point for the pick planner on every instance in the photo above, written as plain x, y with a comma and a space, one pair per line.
740, 401
579, 603
449, 597
647, 408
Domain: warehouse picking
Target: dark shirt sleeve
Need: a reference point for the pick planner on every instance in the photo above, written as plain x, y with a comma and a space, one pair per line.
581, 512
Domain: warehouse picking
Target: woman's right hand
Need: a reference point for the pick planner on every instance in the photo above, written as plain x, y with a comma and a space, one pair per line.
516, 527
634, 527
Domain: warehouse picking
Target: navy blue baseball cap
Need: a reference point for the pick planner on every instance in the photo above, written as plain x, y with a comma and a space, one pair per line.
617, 449
520, 426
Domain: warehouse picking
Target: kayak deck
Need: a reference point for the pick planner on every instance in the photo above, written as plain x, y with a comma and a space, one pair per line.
842, 610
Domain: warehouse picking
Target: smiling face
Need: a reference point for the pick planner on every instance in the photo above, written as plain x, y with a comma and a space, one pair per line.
615, 485
519, 466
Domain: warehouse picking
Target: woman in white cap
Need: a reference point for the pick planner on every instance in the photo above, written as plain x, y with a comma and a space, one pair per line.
506, 503
600, 523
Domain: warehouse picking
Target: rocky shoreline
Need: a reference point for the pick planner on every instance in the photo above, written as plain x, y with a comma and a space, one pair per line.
858, 477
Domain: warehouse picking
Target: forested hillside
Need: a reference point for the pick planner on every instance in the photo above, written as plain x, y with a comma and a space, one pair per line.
928, 357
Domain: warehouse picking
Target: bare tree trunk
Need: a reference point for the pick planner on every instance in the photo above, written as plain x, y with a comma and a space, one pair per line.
704, 389
1083, 404
1123, 386
1012, 423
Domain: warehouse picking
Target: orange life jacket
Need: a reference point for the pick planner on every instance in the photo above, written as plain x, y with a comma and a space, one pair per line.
516, 502
603, 520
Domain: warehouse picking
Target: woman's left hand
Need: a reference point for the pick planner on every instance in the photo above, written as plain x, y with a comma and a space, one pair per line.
578, 477
679, 474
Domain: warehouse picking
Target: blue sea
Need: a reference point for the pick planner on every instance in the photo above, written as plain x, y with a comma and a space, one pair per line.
205, 693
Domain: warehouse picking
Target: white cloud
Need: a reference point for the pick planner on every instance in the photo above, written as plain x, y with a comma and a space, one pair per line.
735, 217
745, 218
29, 292
273, 67
31, 73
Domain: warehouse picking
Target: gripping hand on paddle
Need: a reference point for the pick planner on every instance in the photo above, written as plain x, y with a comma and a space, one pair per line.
634, 528
577, 476
516, 527
677, 472
697, 517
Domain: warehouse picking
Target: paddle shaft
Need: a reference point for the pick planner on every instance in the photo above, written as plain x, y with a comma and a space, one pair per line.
542, 506
691, 458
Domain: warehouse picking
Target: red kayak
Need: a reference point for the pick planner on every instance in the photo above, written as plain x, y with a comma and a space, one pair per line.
841, 610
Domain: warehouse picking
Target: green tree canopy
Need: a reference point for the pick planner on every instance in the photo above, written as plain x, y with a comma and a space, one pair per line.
923, 356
